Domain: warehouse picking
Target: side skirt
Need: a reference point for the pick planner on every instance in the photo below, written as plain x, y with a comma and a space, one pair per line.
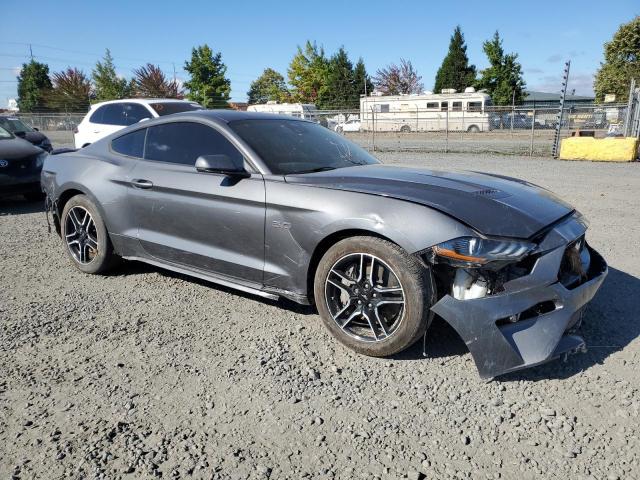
208, 277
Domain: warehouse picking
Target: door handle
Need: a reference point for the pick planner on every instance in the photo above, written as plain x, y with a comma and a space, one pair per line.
140, 183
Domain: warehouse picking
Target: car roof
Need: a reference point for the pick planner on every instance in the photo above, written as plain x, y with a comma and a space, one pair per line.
145, 101
233, 115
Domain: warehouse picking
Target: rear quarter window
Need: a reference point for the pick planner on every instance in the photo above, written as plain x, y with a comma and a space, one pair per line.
131, 144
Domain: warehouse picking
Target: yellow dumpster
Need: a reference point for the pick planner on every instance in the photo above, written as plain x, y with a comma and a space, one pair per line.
610, 149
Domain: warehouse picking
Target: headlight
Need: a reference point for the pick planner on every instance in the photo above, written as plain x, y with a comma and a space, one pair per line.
475, 252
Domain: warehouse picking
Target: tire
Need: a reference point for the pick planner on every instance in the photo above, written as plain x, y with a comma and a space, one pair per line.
473, 129
33, 196
88, 232
405, 323
405, 129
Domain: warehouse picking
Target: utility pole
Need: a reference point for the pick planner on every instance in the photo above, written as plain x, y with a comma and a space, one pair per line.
30, 52
565, 81
174, 72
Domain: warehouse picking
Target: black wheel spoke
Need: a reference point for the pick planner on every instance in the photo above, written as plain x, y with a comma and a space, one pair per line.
81, 235
364, 297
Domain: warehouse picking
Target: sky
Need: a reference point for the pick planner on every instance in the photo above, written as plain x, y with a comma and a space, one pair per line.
255, 35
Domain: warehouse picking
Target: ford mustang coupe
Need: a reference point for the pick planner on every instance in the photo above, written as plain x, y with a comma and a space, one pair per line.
282, 207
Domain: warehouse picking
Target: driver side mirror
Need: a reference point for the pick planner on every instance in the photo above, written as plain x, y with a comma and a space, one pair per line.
36, 129
20, 133
220, 164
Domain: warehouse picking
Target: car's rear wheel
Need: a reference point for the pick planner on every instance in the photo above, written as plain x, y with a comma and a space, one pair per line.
473, 129
85, 236
405, 129
373, 296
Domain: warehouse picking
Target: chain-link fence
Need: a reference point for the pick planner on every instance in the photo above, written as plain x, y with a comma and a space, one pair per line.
503, 130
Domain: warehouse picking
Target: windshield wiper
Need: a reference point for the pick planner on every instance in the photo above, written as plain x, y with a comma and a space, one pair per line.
315, 170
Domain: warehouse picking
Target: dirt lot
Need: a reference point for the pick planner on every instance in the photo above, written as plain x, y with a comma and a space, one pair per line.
144, 373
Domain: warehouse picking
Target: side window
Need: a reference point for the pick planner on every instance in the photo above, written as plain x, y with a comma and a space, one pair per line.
444, 106
184, 142
131, 144
456, 107
96, 117
113, 114
433, 105
475, 106
134, 112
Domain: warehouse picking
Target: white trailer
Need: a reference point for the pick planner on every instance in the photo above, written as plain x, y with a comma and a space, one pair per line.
427, 112
299, 110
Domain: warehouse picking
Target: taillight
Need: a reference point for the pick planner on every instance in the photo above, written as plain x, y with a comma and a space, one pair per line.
75, 129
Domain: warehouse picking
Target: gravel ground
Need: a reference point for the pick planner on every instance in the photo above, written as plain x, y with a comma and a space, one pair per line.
144, 373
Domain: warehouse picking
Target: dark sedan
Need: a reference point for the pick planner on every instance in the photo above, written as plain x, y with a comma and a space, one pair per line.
20, 167
282, 207
20, 129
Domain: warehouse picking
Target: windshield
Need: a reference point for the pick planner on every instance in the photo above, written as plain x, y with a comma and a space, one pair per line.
167, 108
13, 125
4, 134
292, 146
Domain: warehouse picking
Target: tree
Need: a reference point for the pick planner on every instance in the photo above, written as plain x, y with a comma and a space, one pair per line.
362, 81
107, 84
308, 73
149, 81
270, 86
70, 92
398, 79
33, 86
621, 62
340, 90
208, 85
455, 71
503, 78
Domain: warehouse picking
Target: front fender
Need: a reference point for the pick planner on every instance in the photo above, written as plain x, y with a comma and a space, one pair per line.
300, 217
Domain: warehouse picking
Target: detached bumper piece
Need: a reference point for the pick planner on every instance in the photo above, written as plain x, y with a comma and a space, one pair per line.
531, 321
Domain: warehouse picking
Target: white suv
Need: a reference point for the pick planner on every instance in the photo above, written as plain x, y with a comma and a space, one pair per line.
105, 118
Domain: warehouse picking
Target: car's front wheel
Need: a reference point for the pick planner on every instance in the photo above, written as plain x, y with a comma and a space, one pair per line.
85, 236
373, 296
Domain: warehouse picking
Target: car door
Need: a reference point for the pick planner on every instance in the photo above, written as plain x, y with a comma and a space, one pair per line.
205, 221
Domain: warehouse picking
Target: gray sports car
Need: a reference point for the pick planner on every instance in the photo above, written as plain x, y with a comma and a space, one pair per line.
282, 207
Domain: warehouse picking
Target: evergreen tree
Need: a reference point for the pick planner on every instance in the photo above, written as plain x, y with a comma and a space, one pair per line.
363, 83
270, 86
107, 84
33, 86
621, 62
208, 85
308, 73
70, 92
503, 78
340, 90
455, 71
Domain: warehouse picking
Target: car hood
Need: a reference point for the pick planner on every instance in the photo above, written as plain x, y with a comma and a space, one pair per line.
35, 137
490, 204
14, 148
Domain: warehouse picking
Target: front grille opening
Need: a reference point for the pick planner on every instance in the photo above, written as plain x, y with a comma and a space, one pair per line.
538, 309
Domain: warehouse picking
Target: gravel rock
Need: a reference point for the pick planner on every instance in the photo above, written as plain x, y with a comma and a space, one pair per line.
148, 374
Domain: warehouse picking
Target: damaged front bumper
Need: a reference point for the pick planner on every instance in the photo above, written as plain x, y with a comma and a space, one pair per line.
500, 330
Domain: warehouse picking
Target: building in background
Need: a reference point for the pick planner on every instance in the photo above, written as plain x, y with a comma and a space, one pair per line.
544, 99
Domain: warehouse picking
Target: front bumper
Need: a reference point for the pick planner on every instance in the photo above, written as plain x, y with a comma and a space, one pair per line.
498, 347
18, 184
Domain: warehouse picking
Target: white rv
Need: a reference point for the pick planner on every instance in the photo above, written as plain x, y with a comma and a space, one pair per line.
429, 112
299, 110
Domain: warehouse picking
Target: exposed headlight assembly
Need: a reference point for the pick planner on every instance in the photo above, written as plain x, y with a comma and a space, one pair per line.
476, 252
